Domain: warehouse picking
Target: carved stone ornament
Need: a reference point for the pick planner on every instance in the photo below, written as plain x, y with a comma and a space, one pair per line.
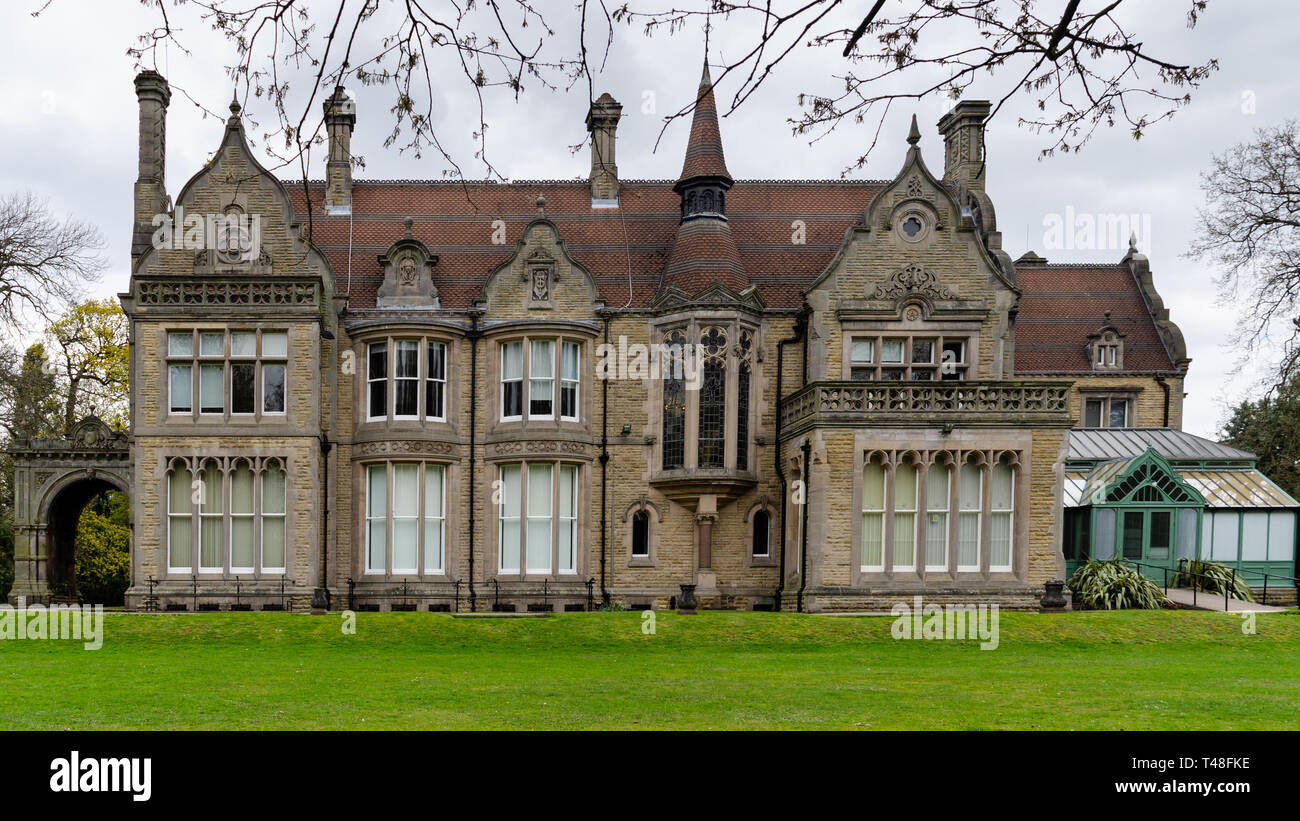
912, 280
539, 274
408, 275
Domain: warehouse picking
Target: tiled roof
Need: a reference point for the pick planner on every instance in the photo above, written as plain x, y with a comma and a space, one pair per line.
704, 148
456, 222
1062, 304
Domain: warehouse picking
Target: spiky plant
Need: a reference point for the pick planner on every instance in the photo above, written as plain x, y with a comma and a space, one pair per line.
1114, 585
1212, 577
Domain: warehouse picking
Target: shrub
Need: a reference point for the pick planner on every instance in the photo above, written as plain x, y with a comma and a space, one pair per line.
1212, 577
1114, 585
103, 559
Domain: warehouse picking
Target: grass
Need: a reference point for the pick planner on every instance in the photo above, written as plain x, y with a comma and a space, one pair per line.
1088, 670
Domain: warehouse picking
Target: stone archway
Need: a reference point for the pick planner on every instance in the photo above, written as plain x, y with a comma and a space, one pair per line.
53, 481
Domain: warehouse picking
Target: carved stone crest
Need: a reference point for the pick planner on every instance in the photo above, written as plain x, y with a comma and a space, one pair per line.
912, 280
408, 274
539, 273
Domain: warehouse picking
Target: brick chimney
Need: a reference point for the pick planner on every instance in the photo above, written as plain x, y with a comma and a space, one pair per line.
602, 122
153, 94
963, 143
340, 118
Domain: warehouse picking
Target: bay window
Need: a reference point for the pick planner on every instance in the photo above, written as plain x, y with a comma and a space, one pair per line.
537, 518
968, 503
395, 369
533, 372
720, 408
233, 509
405, 518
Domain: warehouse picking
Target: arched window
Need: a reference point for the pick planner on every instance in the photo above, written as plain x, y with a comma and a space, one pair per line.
762, 530
640, 534
713, 400
742, 402
674, 447
873, 515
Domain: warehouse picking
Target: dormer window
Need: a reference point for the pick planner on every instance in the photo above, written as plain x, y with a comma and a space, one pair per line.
1107, 348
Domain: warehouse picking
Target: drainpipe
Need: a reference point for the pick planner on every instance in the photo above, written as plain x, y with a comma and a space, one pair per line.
604, 462
800, 328
474, 336
320, 601
803, 531
1160, 380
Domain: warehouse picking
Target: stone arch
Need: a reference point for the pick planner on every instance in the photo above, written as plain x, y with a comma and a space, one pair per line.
53, 481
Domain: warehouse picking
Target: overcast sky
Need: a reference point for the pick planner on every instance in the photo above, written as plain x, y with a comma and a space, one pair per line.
70, 135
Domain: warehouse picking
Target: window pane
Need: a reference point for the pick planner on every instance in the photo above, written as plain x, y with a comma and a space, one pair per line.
873, 530
241, 542
936, 487
712, 433
404, 545
1002, 486
1225, 537
1000, 549
1133, 534
1104, 541
1254, 537
212, 397
891, 350
273, 490
762, 522
406, 359
873, 487
954, 351
539, 518
509, 512
968, 541
1160, 536
241, 490
180, 537
243, 343
904, 541
433, 525
180, 343
923, 351
406, 489
512, 360
180, 379
210, 491
1187, 533
569, 368
434, 397
405, 397
568, 523
905, 487
969, 493
437, 371
1281, 537
212, 344
437, 360
273, 389
275, 343
1118, 413
1092, 413
541, 363
273, 543
640, 533
242, 385
376, 513
864, 350
936, 540
180, 491
377, 375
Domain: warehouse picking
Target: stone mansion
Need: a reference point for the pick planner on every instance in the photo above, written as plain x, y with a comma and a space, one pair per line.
548, 395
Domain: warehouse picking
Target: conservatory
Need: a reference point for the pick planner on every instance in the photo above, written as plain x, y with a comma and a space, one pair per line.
1160, 496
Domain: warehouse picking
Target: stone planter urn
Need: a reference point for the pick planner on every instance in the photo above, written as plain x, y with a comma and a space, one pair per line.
1053, 600
687, 602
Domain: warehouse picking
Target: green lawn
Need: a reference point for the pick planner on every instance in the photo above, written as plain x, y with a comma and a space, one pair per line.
1133, 670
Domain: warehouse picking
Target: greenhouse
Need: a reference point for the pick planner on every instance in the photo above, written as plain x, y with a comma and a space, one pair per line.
1159, 496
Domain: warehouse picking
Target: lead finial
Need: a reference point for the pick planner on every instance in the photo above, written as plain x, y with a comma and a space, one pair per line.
914, 133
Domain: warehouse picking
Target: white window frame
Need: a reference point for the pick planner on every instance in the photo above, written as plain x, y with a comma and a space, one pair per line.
251, 516
371, 379
262, 516
1010, 512
420, 347
556, 380
574, 383
882, 512
913, 511
529, 365
429, 344
553, 516
930, 510
389, 518
188, 517
521, 379
978, 512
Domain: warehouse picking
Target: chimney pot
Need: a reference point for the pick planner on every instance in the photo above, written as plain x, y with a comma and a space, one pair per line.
340, 119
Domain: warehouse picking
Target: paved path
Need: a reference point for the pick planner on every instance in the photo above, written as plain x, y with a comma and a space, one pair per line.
1213, 601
